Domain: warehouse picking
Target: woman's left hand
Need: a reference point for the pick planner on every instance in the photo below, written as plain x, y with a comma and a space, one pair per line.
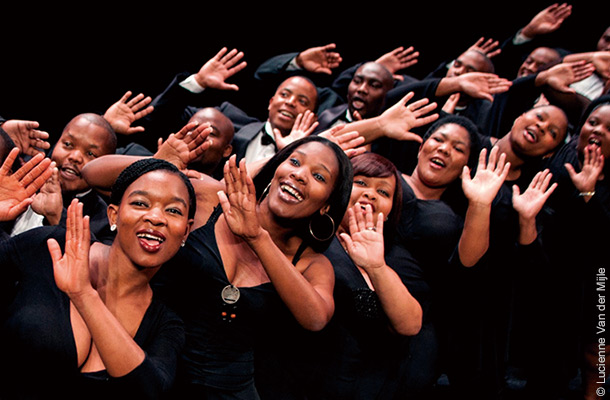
364, 243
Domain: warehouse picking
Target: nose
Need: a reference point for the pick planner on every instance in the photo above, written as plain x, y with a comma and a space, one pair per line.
299, 174
370, 194
76, 157
155, 216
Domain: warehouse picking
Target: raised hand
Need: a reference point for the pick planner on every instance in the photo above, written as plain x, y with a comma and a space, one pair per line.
488, 47
364, 243
592, 167
122, 114
350, 141
188, 144
215, 72
71, 269
49, 199
17, 189
399, 59
482, 85
304, 125
488, 178
561, 76
398, 120
529, 203
547, 20
238, 201
321, 59
26, 136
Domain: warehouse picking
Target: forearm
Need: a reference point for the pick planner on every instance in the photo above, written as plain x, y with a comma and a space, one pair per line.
402, 309
310, 302
474, 240
119, 352
103, 171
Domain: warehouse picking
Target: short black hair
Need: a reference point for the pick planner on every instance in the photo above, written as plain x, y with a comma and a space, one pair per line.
143, 166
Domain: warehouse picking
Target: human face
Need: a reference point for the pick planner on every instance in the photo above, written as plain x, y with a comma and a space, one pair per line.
303, 183
537, 59
219, 139
604, 41
80, 142
538, 132
378, 192
152, 219
443, 155
595, 133
469, 61
293, 97
367, 90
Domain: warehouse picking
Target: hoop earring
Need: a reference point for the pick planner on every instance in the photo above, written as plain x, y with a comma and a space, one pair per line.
332, 230
265, 192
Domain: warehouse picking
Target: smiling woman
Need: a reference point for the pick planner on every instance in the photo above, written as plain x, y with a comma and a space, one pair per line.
85, 313
256, 259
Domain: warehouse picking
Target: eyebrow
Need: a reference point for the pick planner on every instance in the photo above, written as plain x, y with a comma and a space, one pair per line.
446, 136
319, 164
145, 193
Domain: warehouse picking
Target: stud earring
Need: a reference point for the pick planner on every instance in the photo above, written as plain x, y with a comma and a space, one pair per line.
113, 227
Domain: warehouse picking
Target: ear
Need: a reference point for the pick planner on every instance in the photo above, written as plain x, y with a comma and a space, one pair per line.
324, 209
227, 151
112, 212
187, 230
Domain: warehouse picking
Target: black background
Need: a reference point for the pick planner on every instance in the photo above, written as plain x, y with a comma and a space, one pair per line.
58, 62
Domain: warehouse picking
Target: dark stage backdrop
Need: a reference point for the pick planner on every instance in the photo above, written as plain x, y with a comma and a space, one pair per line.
59, 62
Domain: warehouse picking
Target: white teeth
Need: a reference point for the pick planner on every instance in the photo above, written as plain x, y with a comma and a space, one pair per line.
293, 192
287, 114
531, 134
150, 237
595, 141
438, 162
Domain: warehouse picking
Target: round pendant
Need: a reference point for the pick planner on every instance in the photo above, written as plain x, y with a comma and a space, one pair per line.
230, 294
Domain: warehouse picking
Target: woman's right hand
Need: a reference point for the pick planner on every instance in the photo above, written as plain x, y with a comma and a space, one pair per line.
71, 269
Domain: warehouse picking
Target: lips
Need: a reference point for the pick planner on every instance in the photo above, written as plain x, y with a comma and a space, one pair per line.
150, 240
70, 172
438, 162
290, 193
287, 114
530, 136
358, 103
594, 141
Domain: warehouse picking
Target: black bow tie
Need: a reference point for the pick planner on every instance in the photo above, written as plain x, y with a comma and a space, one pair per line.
267, 140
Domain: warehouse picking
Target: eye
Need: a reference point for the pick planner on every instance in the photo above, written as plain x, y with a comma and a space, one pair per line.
175, 210
295, 162
68, 144
360, 182
459, 149
319, 177
138, 203
91, 154
384, 193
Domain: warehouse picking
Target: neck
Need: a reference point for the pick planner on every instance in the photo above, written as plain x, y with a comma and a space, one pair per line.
516, 162
421, 190
282, 232
115, 276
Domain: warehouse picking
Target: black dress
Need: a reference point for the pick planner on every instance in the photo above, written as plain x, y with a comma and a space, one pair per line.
220, 334
37, 340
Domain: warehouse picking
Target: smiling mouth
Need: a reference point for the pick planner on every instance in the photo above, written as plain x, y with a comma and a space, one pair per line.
530, 136
438, 161
595, 141
287, 114
292, 192
70, 172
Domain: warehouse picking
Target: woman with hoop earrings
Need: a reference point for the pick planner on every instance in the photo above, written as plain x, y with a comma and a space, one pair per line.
257, 261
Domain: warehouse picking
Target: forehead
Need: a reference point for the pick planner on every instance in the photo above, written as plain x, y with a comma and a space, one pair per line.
162, 181
298, 86
217, 120
473, 59
86, 133
371, 71
602, 112
319, 153
453, 131
543, 54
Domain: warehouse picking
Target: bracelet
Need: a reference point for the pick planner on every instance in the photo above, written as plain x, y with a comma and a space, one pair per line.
582, 194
